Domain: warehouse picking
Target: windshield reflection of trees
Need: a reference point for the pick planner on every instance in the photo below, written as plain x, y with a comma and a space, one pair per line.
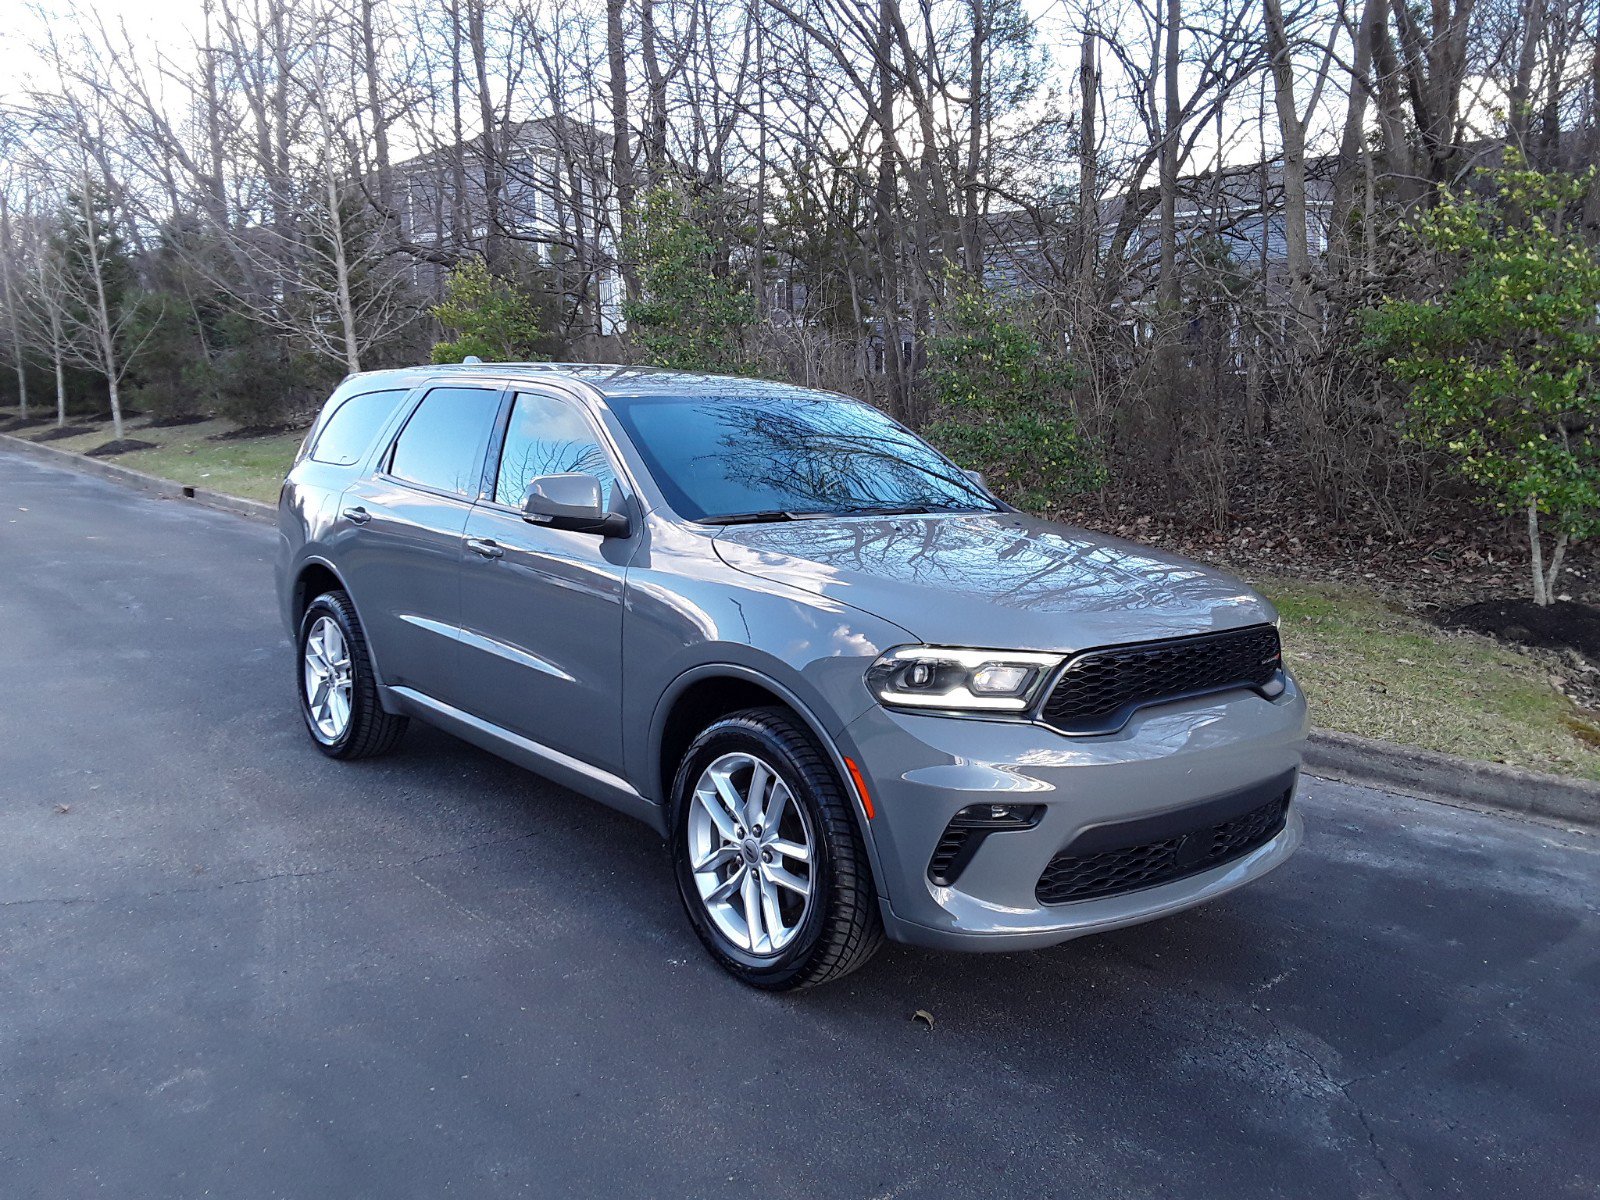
825, 454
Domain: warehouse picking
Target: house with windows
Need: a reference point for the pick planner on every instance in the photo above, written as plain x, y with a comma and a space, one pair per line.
533, 194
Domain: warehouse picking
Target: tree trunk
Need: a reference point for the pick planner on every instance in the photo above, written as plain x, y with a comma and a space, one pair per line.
380, 121
1540, 596
1591, 202
884, 205
61, 384
460, 216
1557, 553
105, 329
489, 139
655, 117
1169, 294
1085, 289
1088, 167
1520, 101
621, 143
1351, 142
343, 300
1292, 132
758, 283
971, 230
6, 252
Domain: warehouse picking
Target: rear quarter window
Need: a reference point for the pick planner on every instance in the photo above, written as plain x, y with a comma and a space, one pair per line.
349, 431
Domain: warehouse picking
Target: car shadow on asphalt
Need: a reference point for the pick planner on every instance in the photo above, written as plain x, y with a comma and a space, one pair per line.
1322, 954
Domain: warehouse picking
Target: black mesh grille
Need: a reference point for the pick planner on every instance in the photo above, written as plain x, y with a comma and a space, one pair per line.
1100, 688
1109, 873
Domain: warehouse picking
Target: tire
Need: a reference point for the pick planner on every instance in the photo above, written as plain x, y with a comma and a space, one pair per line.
366, 730
836, 926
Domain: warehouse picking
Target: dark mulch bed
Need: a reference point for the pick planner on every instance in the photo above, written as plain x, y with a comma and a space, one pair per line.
1564, 625
18, 423
174, 422
251, 431
65, 431
122, 446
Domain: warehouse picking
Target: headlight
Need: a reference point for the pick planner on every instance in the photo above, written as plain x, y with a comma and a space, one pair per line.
960, 680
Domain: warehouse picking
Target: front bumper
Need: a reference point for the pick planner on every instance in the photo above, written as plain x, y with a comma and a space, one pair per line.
923, 769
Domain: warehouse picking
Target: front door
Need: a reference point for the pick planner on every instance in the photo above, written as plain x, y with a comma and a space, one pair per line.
399, 547
541, 608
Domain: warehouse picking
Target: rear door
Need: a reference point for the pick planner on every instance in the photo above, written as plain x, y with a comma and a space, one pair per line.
400, 549
541, 608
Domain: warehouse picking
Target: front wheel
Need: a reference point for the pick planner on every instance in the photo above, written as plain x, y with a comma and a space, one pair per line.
338, 690
767, 855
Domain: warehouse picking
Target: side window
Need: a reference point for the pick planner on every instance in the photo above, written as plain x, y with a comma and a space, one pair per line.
441, 445
348, 433
548, 436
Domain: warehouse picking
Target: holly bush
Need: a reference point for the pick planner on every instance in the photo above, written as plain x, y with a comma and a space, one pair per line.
1002, 397
490, 317
692, 315
1502, 366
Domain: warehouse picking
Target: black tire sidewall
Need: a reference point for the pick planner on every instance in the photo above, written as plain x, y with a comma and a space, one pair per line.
746, 732
328, 605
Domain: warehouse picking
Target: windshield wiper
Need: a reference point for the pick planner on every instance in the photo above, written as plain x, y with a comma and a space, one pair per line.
902, 510
846, 510
749, 518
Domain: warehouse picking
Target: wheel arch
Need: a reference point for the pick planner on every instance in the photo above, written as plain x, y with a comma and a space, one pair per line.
313, 577
702, 695
316, 575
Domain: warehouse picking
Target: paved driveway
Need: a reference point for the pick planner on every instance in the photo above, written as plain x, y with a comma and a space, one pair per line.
230, 967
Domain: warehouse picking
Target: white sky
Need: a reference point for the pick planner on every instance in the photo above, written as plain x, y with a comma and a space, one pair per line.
164, 23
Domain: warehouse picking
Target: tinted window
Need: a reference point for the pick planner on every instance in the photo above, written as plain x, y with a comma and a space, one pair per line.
789, 450
548, 436
442, 444
348, 433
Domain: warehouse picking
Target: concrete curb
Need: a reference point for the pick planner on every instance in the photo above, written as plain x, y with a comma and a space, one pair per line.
166, 488
1465, 783
1425, 774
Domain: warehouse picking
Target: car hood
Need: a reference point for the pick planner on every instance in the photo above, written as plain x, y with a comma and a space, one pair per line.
995, 579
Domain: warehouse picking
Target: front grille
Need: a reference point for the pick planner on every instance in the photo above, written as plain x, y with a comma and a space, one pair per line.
1099, 689
1111, 872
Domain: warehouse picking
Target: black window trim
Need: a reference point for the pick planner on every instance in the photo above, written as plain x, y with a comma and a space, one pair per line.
491, 467
313, 438
380, 468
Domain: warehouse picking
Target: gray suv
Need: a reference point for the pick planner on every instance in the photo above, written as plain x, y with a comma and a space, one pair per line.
857, 694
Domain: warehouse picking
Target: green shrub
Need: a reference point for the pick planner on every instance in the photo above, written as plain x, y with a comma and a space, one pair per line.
692, 316
494, 318
1003, 403
1502, 367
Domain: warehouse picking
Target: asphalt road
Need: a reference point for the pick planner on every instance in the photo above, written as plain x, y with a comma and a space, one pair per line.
230, 967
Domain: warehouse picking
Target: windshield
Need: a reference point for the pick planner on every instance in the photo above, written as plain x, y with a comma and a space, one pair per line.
788, 454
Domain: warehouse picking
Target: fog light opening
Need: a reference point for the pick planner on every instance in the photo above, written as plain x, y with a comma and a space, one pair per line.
967, 831
998, 816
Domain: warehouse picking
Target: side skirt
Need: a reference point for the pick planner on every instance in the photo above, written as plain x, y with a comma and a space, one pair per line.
611, 790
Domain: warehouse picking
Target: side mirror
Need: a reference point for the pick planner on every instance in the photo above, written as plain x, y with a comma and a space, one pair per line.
574, 501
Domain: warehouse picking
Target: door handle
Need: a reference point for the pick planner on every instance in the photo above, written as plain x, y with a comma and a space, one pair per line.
357, 515
485, 547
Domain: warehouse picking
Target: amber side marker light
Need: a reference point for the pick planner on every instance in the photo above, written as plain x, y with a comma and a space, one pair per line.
861, 787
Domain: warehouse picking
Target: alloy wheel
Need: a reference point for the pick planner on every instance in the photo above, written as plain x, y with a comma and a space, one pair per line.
328, 679
751, 851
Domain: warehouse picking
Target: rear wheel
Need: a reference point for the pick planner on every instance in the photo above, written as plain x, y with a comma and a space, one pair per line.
768, 858
338, 690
